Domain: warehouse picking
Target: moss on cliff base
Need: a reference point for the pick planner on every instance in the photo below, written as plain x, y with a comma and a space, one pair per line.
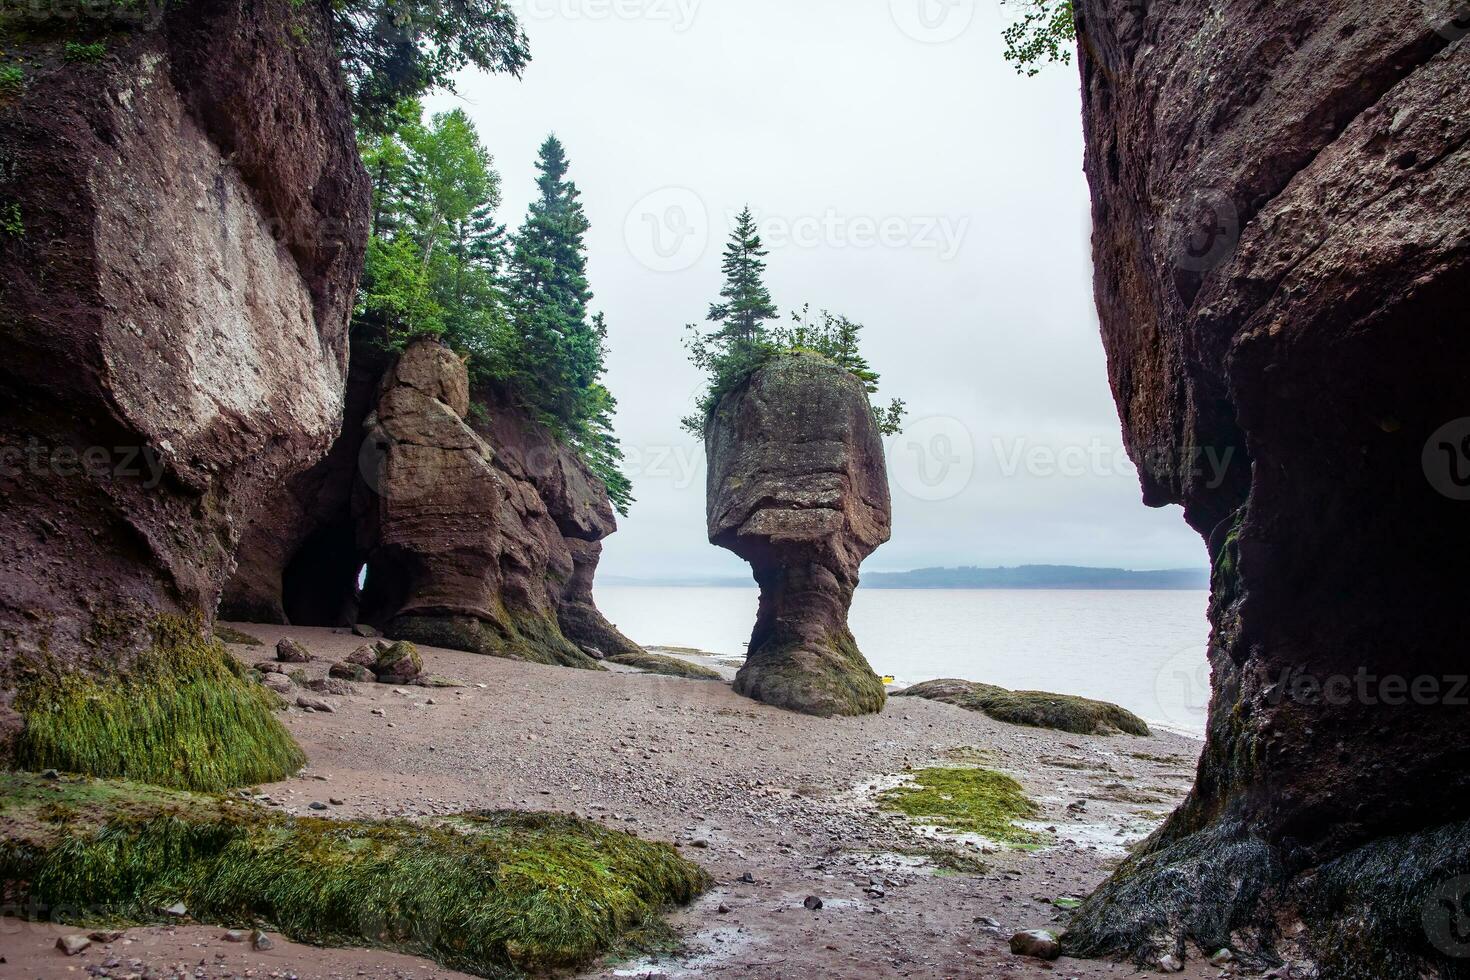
489, 893
658, 663
1036, 709
529, 638
823, 681
182, 715
966, 801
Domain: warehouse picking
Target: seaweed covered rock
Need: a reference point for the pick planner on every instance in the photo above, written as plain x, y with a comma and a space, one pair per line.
398, 663
459, 555
182, 715
662, 663
1281, 246
1037, 709
185, 224
494, 894
798, 487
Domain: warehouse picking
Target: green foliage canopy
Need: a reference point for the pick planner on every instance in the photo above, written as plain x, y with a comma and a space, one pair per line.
440, 265
1044, 33
399, 49
742, 342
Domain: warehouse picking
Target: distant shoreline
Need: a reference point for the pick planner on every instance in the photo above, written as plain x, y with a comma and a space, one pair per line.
1062, 578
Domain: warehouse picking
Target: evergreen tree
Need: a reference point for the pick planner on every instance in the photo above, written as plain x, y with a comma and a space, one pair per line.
746, 302
563, 350
440, 264
741, 342
549, 283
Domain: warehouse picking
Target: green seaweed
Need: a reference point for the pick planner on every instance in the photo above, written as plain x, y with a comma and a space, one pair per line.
657, 663
491, 893
528, 637
966, 801
228, 634
1036, 709
183, 714
12, 80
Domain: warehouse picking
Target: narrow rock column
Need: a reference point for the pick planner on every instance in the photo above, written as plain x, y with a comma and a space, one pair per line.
798, 487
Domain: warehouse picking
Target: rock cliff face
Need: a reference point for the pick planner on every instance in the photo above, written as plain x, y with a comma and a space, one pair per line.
1281, 248
798, 487
578, 505
184, 226
478, 529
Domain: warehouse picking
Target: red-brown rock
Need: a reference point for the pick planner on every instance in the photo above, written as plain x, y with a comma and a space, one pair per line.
798, 487
1281, 248
460, 552
190, 217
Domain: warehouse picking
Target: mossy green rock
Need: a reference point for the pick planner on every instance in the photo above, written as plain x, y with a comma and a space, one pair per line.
528, 638
183, 715
966, 800
658, 663
497, 894
398, 662
1037, 709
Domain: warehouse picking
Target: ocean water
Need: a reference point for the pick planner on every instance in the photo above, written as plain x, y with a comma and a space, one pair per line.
1143, 650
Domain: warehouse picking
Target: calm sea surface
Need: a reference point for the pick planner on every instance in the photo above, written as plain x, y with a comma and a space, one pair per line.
1143, 650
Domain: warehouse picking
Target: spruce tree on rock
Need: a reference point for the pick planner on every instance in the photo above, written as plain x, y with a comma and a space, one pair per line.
746, 302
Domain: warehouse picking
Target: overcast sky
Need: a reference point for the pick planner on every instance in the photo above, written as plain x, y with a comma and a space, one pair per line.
904, 176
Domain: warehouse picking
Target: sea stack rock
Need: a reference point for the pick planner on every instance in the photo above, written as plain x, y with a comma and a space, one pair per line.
459, 553
1282, 245
798, 487
184, 222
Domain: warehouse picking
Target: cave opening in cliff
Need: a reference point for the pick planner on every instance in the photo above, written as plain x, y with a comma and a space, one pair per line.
319, 586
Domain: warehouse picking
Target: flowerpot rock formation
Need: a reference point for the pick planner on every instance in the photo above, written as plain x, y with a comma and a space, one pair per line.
798, 487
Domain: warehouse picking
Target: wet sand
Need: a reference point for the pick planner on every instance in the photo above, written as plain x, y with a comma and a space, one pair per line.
777, 806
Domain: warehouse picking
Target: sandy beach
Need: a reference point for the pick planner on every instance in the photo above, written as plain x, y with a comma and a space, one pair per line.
778, 807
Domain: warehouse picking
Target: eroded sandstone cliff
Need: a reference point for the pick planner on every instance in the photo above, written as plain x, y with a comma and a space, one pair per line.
798, 487
185, 222
1281, 245
478, 529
